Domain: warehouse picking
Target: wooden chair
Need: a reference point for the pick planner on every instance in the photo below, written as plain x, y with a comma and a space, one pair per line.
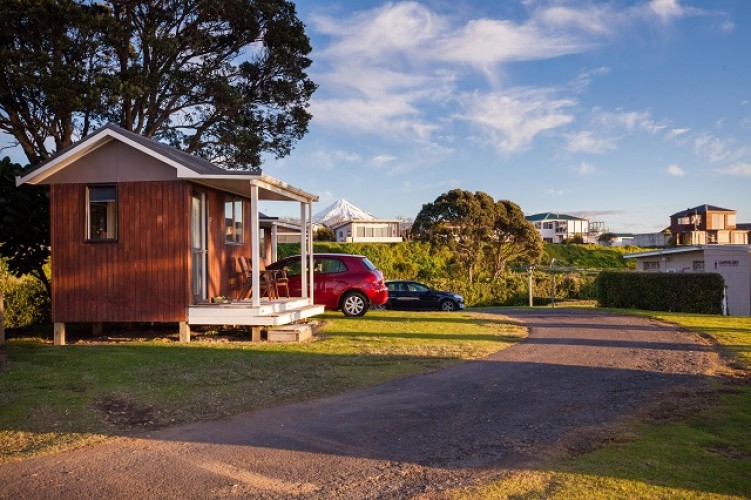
265, 279
282, 281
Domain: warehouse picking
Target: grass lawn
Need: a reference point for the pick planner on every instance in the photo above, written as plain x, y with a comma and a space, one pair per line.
55, 398
703, 455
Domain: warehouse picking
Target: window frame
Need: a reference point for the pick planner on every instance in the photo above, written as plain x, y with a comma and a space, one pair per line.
88, 237
232, 237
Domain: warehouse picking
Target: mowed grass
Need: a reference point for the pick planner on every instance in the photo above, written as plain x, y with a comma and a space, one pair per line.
58, 397
701, 453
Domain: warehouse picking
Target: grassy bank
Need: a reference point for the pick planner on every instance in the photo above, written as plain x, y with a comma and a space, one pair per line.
704, 452
54, 398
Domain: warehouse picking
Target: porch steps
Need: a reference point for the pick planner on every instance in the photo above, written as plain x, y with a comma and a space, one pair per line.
270, 313
290, 333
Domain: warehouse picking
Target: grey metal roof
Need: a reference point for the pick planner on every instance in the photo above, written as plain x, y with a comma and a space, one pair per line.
701, 208
551, 216
192, 162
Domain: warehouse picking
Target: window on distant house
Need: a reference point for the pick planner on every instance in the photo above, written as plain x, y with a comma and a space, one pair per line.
101, 213
697, 265
653, 265
233, 219
547, 225
718, 221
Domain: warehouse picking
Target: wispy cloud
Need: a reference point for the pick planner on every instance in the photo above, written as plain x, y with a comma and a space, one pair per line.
584, 79
627, 120
675, 171
586, 142
585, 169
329, 159
512, 120
738, 169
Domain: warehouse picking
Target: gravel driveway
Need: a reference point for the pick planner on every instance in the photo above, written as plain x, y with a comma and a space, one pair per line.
578, 371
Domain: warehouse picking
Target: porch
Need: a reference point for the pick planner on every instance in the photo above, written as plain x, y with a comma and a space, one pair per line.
267, 312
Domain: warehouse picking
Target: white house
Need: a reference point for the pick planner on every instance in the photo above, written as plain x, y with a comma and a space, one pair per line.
733, 262
557, 228
368, 231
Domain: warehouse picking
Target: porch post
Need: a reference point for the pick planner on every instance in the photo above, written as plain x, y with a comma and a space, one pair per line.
255, 250
274, 236
303, 251
310, 256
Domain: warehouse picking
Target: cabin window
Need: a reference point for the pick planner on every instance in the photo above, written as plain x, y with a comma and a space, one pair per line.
101, 213
233, 219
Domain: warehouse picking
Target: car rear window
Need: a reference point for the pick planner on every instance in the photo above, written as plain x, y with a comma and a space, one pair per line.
328, 266
369, 264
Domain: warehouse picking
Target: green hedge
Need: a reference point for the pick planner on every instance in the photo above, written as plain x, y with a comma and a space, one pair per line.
25, 298
674, 292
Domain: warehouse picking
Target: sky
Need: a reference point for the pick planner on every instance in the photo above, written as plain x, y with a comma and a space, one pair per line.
622, 111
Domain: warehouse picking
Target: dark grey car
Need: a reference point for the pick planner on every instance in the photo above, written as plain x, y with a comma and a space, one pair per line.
415, 296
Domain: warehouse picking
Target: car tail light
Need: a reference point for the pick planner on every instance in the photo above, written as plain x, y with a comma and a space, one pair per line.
374, 278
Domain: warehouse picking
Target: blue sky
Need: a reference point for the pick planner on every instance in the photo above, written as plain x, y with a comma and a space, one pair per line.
622, 111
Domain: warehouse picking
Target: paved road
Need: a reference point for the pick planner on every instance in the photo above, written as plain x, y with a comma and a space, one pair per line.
579, 369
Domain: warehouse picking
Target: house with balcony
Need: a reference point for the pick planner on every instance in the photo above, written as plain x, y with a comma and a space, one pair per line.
707, 224
557, 228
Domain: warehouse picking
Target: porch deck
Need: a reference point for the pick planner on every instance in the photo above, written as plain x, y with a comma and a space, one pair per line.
276, 312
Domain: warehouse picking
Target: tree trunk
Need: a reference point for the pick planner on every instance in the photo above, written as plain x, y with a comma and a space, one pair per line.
3, 355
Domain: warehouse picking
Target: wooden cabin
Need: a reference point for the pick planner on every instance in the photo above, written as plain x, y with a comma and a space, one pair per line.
142, 232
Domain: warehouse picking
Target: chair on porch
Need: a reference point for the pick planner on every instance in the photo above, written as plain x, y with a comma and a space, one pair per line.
265, 279
282, 281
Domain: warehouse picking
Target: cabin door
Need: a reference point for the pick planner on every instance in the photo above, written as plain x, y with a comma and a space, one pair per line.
198, 249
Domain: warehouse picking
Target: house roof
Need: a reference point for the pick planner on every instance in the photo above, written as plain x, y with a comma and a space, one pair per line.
688, 249
187, 166
551, 216
701, 208
368, 221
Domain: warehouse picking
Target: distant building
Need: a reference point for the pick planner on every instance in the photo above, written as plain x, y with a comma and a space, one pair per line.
354, 225
706, 224
733, 262
368, 231
557, 228
651, 240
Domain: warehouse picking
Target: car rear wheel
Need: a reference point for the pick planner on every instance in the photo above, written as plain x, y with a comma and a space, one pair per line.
448, 305
354, 304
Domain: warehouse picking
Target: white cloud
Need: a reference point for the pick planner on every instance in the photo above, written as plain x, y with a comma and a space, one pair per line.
584, 79
628, 120
667, 10
597, 19
739, 169
712, 148
330, 159
677, 132
675, 171
585, 169
556, 192
512, 120
381, 160
586, 142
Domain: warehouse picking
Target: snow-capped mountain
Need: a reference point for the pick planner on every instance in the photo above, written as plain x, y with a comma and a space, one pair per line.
339, 211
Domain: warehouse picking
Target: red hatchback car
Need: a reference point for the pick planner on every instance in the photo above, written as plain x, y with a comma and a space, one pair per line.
342, 281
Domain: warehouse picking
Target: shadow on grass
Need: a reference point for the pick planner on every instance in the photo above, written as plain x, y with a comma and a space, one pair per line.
502, 411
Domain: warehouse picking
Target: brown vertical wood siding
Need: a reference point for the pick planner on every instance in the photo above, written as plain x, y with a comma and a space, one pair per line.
145, 275
142, 276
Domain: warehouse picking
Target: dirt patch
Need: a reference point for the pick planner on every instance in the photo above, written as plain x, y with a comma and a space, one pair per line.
126, 416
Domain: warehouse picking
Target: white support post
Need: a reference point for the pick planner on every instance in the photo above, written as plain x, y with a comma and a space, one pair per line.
274, 243
303, 251
255, 250
310, 254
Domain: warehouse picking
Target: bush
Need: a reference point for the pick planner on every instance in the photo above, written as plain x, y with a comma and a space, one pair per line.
673, 292
26, 301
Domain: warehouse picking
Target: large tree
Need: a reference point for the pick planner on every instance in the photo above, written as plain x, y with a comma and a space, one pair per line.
224, 79
24, 224
483, 234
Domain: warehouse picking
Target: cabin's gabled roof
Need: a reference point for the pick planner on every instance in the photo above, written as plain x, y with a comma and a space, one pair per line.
187, 166
701, 209
551, 216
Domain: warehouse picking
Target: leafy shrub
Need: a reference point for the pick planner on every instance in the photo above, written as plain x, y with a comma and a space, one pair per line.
674, 292
25, 299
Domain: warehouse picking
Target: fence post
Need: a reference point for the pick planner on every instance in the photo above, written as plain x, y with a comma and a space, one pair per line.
3, 354
530, 270
552, 282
